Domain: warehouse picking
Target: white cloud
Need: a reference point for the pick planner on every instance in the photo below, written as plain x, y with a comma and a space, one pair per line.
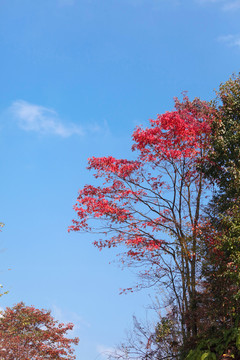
70, 317
105, 351
66, 2
31, 117
226, 5
230, 40
153, 4
208, 1
231, 5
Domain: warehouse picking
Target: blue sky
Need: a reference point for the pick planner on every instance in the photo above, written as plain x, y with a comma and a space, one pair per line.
77, 76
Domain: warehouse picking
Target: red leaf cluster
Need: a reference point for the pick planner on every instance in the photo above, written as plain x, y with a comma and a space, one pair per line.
139, 197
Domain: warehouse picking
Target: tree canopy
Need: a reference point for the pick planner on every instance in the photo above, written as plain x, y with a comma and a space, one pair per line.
153, 204
156, 207
27, 333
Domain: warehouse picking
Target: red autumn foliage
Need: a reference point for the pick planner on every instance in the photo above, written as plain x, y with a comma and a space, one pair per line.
27, 333
132, 197
152, 204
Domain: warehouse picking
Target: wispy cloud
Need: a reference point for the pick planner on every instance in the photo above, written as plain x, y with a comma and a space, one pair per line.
230, 40
226, 5
105, 351
209, 1
31, 117
66, 2
231, 5
43, 120
153, 4
69, 316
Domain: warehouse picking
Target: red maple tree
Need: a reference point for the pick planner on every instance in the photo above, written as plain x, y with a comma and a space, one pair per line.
152, 204
27, 333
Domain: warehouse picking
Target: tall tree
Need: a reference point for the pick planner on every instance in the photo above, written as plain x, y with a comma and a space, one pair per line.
152, 204
220, 298
27, 333
224, 170
223, 167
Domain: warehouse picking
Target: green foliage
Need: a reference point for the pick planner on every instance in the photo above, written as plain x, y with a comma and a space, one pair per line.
199, 354
219, 299
163, 328
224, 165
194, 145
214, 348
